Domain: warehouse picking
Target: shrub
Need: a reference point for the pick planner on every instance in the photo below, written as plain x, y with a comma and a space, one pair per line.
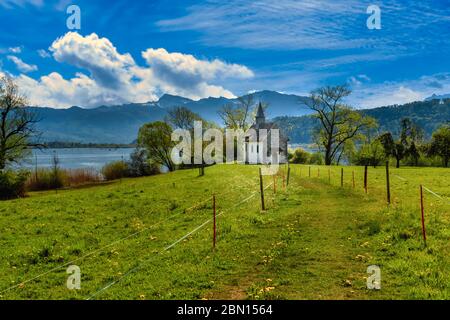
139, 165
300, 156
115, 170
12, 184
317, 158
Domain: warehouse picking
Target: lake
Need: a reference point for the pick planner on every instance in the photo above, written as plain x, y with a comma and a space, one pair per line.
75, 158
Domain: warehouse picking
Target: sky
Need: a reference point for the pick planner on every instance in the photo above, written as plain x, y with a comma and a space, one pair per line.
136, 51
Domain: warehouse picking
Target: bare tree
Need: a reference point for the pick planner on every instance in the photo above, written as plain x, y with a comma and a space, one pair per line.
17, 124
238, 116
182, 118
339, 123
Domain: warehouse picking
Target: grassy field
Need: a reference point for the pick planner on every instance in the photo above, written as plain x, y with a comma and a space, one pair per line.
314, 241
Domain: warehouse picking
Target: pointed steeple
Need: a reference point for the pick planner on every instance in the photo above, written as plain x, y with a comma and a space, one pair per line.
260, 117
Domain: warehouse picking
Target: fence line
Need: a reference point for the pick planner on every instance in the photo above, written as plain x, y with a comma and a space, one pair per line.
112, 243
172, 245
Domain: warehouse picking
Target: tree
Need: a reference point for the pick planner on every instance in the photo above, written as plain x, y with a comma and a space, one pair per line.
238, 116
182, 118
370, 154
155, 137
440, 144
392, 148
17, 132
408, 144
338, 122
411, 137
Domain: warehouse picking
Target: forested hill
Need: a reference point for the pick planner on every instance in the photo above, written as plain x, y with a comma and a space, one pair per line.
429, 115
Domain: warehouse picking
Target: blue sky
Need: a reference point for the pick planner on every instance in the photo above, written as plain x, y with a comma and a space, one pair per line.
134, 51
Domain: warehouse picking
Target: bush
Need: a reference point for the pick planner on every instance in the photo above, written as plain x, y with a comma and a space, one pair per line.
115, 170
300, 156
12, 184
139, 166
317, 158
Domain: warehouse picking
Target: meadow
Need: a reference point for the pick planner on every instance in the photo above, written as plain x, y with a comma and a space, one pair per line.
132, 238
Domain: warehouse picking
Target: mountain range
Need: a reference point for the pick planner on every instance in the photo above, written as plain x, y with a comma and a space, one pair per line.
120, 124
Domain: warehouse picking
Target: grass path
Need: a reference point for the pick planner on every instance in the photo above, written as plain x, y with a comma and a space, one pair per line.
318, 259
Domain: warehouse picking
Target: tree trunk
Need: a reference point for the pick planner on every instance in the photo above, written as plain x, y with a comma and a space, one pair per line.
328, 156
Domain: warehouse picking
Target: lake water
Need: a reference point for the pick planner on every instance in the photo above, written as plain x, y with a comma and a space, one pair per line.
74, 158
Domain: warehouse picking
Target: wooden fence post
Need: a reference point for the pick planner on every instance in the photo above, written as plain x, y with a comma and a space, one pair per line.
353, 178
261, 187
309, 171
288, 175
274, 184
342, 177
214, 214
329, 176
388, 187
365, 179
423, 218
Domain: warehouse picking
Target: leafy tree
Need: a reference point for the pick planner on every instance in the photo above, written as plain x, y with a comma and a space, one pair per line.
16, 124
408, 144
411, 137
370, 154
440, 144
392, 148
338, 122
155, 138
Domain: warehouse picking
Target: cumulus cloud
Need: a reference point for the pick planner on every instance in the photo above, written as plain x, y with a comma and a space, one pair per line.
97, 55
22, 66
55, 91
113, 78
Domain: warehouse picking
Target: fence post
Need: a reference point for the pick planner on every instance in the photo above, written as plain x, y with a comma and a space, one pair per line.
388, 187
423, 218
353, 178
288, 175
261, 187
365, 178
274, 183
214, 214
318, 172
342, 177
309, 171
329, 176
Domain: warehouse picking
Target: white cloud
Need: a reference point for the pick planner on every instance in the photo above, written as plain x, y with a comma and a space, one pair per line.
116, 78
15, 49
22, 66
8, 4
389, 93
43, 53
97, 55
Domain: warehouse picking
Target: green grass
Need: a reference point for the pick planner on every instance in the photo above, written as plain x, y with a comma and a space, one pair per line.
314, 241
